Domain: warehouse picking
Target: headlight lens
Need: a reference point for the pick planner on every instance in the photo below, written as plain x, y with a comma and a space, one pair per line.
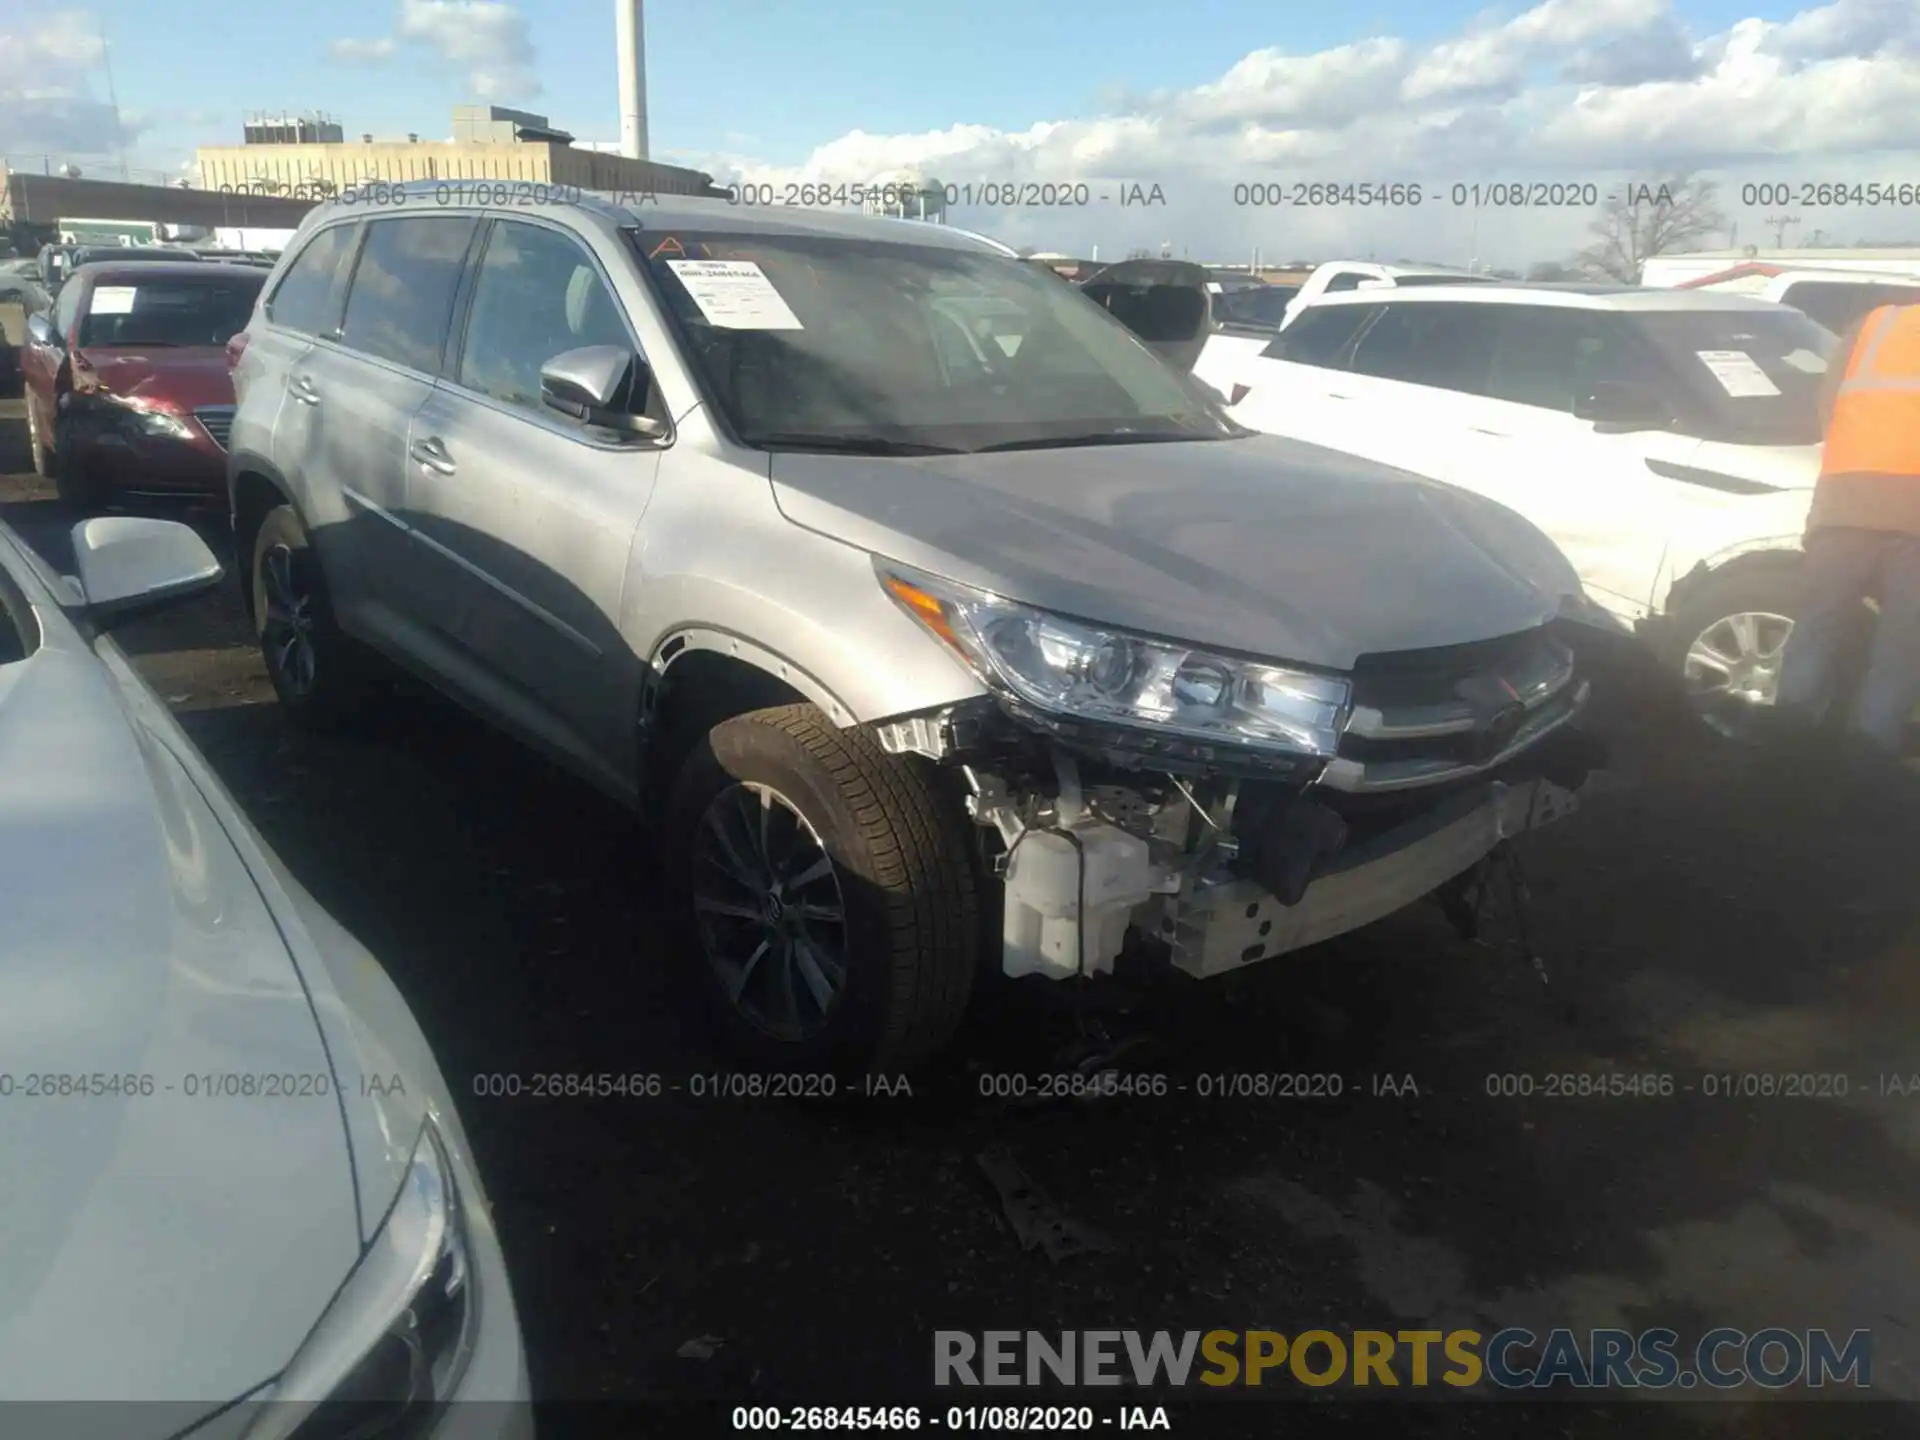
1092, 673
150, 420
398, 1335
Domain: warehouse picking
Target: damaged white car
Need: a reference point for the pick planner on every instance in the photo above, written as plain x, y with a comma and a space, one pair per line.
936, 623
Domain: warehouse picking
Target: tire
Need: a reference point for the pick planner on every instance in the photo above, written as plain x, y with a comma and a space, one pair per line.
42, 456
71, 482
1705, 618
900, 874
331, 686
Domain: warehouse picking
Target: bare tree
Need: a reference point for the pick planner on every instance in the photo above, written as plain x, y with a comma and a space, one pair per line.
1650, 215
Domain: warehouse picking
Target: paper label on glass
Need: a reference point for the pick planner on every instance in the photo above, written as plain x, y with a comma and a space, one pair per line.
1805, 360
114, 300
1737, 373
735, 294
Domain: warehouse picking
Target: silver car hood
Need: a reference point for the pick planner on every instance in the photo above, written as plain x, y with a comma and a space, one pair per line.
169, 1245
1263, 545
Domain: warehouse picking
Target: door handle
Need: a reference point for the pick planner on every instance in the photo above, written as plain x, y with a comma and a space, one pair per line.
1336, 395
431, 453
1497, 434
302, 390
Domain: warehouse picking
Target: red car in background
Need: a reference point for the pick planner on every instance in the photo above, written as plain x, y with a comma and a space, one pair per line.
128, 389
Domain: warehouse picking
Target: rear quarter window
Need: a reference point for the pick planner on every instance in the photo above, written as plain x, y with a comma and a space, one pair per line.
309, 296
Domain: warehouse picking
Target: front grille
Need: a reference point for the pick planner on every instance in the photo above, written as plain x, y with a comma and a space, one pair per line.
217, 421
1426, 717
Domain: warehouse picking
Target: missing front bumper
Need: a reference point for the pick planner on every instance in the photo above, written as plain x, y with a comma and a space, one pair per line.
1216, 929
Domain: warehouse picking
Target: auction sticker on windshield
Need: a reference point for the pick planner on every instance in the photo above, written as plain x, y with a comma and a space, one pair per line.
114, 300
735, 294
1737, 373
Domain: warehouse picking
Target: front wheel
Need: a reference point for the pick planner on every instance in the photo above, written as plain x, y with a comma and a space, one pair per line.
316, 670
1727, 638
42, 453
828, 893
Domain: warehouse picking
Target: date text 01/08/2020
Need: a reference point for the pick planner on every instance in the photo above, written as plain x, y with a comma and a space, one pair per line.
909, 200
196, 1085
962, 1419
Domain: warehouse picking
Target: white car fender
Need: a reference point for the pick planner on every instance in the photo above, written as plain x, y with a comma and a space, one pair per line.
1763, 523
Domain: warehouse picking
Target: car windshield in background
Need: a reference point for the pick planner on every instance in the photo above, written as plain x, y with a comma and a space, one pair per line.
819, 342
1754, 375
168, 311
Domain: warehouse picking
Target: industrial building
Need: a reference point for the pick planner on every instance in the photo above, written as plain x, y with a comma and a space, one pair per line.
489, 142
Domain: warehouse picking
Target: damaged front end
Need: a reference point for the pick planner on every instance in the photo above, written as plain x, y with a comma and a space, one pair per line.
1144, 796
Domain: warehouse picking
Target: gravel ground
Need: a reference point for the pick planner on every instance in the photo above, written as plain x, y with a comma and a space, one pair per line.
1709, 914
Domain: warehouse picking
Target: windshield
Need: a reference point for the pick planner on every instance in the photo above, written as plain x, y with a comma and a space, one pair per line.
168, 311
825, 342
1749, 377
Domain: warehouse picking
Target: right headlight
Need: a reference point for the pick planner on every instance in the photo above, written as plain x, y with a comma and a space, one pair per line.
1094, 673
397, 1337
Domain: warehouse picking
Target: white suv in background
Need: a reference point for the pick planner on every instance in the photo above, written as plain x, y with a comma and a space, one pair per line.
1667, 440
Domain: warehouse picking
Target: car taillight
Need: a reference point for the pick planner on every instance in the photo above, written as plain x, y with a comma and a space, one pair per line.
236, 347
1237, 394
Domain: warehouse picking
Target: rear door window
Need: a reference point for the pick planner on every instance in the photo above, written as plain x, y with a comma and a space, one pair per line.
1320, 336
401, 298
307, 298
1448, 347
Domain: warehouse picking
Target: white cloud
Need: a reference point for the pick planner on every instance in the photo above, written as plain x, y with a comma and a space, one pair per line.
1567, 91
363, 52
487, 41
46, 106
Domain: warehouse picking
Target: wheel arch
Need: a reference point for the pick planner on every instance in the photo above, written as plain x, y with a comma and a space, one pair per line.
254, 489
700, 676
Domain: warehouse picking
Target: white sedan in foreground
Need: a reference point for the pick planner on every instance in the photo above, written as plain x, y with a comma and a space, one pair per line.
235, 1181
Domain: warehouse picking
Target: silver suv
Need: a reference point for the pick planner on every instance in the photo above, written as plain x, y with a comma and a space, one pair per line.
932, 619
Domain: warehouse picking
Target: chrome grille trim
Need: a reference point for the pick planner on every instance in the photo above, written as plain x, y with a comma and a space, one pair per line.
217, 421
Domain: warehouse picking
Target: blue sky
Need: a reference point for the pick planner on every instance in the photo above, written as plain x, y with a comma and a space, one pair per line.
1195, 98
773, 77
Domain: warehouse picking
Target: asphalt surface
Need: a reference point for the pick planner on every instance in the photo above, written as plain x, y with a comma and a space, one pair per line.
1712, 913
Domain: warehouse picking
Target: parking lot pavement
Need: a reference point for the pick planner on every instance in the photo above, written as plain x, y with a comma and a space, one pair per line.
1710, 918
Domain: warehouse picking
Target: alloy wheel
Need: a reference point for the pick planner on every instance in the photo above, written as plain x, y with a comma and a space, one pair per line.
286, 627
1734, 663
771, 915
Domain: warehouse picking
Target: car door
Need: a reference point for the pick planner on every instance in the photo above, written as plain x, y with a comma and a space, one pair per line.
1291, 385
524, 517
1412, 384
360, 387
1607, 500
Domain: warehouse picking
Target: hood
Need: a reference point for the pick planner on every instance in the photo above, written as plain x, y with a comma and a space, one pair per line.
1264, 545
180, 379
1167, 303
177, 1244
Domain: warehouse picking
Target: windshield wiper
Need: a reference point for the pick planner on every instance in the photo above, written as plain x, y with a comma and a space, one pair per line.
1103, 437
851, 445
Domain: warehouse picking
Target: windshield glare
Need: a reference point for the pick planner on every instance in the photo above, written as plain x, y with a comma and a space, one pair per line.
1752, 376
845, 340
167, 312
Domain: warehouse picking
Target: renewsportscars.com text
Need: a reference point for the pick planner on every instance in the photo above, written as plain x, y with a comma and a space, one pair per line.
1509, 1359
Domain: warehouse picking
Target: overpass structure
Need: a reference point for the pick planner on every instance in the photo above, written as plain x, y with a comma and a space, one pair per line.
30, 201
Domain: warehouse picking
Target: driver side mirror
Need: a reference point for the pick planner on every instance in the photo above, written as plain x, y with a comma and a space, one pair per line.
601, 385
40, 332
1617, 409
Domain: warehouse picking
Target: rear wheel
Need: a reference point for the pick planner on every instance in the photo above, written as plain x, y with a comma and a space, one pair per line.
827, 893
318, 672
